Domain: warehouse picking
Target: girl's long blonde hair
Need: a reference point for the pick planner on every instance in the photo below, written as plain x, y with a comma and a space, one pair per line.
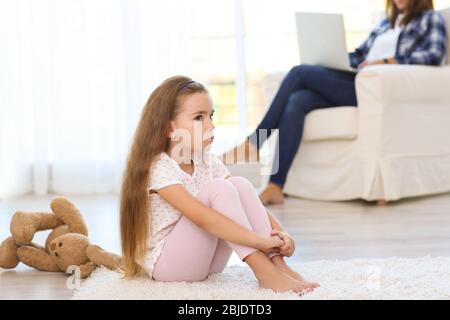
150, 139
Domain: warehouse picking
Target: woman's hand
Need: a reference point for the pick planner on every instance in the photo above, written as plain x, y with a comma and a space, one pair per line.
288, 248
371, 63
363, 64
270, 244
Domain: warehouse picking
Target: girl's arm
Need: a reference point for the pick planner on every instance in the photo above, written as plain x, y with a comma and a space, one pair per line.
276, 225
213, 221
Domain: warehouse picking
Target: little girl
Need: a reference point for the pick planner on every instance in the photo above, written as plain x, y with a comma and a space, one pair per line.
181, 213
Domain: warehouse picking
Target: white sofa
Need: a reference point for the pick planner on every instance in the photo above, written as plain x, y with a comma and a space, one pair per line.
395, 144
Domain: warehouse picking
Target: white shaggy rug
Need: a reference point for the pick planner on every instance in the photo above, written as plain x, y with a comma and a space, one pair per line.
393, 278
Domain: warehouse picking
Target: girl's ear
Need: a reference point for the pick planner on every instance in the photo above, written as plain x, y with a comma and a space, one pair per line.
170, 130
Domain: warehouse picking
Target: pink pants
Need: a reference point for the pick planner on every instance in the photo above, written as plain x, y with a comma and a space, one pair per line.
191, 254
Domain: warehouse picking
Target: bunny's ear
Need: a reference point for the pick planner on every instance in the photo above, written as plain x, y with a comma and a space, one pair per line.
103, 258
69, 214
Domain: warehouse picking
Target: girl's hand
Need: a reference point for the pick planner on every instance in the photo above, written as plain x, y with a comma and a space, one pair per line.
288, 248
270, 244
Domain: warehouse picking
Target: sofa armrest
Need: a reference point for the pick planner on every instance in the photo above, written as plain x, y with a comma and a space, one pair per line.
404, 83
403, 110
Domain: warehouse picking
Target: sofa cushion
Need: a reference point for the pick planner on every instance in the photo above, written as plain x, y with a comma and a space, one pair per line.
446, 15
340, 123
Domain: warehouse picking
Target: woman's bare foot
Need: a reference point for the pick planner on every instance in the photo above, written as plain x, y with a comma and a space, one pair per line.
272, 194
279, 262
245, 152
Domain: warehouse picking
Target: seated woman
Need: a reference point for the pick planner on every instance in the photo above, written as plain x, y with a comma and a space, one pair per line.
412, 33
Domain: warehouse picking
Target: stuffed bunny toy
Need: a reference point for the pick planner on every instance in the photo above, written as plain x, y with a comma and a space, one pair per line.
67, 244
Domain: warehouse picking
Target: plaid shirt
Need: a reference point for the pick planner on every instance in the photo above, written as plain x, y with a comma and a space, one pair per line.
422, 41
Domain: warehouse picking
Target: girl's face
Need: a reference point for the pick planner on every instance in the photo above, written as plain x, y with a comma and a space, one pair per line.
193, 129
401, 4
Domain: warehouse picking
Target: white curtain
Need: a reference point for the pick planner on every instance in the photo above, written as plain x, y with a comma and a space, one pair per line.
74, 77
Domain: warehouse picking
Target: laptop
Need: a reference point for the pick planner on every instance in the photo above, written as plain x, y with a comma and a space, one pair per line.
321, 40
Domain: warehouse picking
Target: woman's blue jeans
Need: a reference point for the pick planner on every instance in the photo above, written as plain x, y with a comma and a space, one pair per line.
305, 88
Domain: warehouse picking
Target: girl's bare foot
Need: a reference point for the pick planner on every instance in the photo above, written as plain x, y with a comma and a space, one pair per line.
245, 152
272, 194
279, 262
270, 277
281, 282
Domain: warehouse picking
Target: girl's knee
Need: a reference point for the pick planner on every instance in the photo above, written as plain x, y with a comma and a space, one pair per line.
217, 187
221, 184
241, 183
